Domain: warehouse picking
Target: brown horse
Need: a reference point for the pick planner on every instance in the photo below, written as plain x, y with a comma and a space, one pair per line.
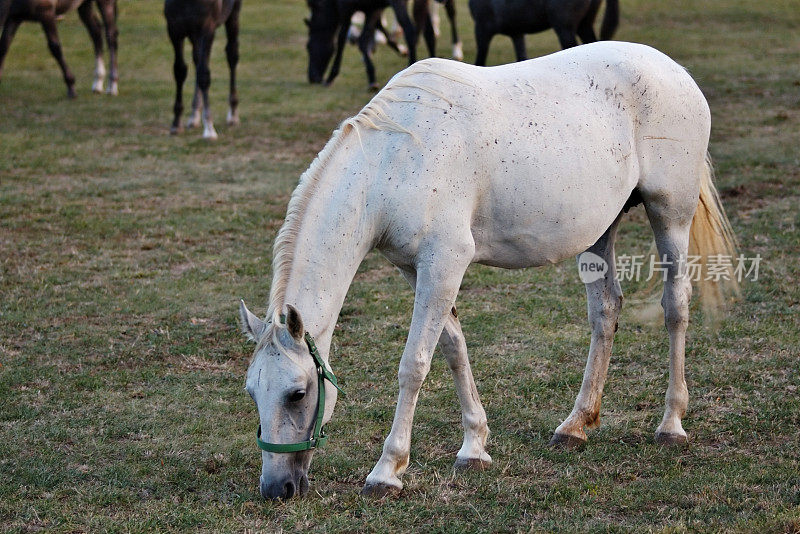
198, 20
46, 12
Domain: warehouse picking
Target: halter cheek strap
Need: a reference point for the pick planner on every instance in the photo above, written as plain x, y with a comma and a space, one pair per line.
318, 437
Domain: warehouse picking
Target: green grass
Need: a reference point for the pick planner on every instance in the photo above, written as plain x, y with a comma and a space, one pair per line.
123, 252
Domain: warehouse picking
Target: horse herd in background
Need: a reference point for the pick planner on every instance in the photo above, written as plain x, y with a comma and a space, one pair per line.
328, 28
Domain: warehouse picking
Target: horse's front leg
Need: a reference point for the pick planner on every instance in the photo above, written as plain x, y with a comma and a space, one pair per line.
604, 303
437, 287
179, 70
472, 454
458, 49
92, 24
108, 11
9, 29
366, 44
48, 21
400, 9
204, 81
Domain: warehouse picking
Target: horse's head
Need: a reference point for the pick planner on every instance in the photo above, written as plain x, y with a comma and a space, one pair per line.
322, 26
284, 380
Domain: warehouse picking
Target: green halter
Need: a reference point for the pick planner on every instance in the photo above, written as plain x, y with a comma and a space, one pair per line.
318, 438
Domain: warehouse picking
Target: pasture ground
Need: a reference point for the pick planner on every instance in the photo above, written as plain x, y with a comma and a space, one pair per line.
123, 252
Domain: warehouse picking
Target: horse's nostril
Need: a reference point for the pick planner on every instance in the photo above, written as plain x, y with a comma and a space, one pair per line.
288, 489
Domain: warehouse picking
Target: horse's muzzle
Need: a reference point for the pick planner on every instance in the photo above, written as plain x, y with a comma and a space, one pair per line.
285, 488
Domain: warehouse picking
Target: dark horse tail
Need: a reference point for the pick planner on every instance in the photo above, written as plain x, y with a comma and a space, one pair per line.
610, 20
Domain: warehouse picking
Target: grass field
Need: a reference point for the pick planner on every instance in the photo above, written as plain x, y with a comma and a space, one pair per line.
124, 251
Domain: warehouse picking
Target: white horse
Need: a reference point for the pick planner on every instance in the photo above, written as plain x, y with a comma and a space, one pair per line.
513, 166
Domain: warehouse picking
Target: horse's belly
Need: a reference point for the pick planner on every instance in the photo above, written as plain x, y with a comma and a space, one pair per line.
548, 196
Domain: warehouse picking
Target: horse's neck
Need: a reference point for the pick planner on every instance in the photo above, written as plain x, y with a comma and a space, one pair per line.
335, 234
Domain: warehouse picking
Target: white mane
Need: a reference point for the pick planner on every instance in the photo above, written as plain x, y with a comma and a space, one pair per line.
373, 116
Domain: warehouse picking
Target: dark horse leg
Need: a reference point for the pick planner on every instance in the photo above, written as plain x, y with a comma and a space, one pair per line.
179, 70
194, 120
108, 11
400, 9
566, 36
202, 56
92, 24
9, 29
232, 55
586, 25
519, 46
344, 26
48, 20
450, 8
366, 44
424, 23
482, 38
390, 42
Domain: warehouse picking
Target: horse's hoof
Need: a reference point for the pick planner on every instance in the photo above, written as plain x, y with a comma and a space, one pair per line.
175, 130
379, 491
670, 439
374, 86
567, 441
71, 93
472, 464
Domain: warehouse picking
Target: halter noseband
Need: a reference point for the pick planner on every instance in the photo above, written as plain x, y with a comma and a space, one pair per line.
318, 438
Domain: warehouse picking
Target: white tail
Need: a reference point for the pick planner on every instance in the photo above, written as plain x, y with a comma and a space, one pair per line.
711, 234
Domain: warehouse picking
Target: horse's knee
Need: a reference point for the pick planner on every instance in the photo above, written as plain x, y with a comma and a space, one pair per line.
180, 70
604, 313
412, 372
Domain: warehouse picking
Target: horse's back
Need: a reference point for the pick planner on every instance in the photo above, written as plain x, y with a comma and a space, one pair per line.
536, 158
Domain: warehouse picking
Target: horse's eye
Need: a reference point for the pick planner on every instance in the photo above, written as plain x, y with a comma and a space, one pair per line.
296, 395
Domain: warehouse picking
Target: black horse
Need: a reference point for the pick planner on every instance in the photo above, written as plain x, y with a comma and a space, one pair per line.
198, 20
46, 12
515, 18
330, 21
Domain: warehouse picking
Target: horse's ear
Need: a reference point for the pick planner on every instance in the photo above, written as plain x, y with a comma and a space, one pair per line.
252, 326
294, 324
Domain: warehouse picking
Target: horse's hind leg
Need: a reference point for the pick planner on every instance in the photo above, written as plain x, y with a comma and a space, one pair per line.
604, 298
179, 70
671, 225
472, 454
48, 21
108, 11
92, 24
232, 55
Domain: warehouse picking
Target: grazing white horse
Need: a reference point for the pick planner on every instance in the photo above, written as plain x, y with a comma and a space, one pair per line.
513, 166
